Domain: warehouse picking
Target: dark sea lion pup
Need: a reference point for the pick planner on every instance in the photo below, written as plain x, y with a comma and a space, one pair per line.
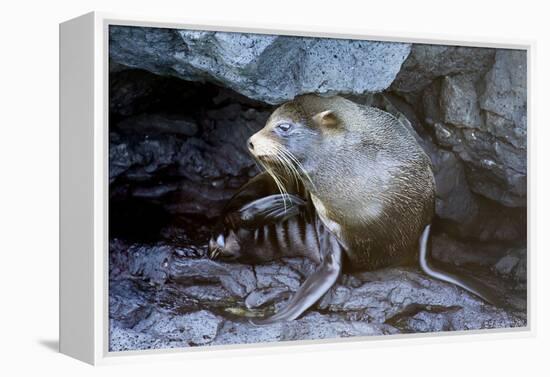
368, 185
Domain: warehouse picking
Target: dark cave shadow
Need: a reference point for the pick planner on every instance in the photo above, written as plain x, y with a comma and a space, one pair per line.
52, 345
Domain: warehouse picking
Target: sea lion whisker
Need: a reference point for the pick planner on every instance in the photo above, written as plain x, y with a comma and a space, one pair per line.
281, 162
277, 181
295, 164
298, 165
289, 165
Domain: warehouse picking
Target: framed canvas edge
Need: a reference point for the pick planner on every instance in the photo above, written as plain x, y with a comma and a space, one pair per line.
102, 20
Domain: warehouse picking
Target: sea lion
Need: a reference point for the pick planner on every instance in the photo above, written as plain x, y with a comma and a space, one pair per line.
367, 181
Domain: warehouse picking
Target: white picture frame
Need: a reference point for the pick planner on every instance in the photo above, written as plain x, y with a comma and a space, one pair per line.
84, 190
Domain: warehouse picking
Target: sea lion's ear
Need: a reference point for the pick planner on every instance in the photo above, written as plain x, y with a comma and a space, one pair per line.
326, 119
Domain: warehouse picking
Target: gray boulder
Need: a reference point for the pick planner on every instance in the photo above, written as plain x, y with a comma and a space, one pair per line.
428, 62
459, 101
268, 68
505, 97
475, 101
513, 265
483, 120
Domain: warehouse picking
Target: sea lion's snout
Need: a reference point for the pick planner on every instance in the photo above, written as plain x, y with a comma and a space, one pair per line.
264, 146
259, 146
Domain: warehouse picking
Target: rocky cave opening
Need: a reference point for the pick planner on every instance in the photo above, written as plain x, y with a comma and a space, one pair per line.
176, 156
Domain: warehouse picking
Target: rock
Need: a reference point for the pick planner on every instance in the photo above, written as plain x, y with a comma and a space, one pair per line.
495, 169
475, 100
499, 223
159, 123
310, 326
190, 270
206, 293
318, 326
268, 68
129, 302
235, 332
207, 302
134, 91
463, 253
434, 318
121, 339
218, 153
150, 263
161, 160
239, 280
390, 294
337, 295
483, 120
277, 275
138, 157
454, 200
507, 264
505, 97
430, 104
260, 297
427, 319
428, 62
513, 265
193, 329
459, 101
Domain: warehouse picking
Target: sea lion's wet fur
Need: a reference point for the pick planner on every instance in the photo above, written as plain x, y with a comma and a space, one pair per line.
366, 172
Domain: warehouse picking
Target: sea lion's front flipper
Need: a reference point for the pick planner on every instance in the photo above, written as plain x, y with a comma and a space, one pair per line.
315, 286
270, 209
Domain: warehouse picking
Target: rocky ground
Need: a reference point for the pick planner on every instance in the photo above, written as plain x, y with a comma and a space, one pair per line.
183, 103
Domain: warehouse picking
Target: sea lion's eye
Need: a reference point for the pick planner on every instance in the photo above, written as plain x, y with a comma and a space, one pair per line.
284, 127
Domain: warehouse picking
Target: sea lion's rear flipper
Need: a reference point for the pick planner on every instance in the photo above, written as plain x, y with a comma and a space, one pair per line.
315, 286
270, 209
477, 288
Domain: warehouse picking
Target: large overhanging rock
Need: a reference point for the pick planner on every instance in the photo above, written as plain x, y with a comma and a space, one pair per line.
268, 68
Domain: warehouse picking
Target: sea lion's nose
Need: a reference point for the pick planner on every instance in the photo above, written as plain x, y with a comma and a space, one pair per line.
250, 144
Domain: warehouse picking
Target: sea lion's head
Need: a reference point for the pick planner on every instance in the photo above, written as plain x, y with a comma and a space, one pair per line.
291, 138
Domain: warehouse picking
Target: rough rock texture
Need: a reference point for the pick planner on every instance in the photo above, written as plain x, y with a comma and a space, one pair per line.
475, 101
178, 127
264, 67
174, 157
177, 301
428, 62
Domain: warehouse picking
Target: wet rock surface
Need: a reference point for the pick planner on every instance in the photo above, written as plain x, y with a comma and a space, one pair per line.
182, 105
